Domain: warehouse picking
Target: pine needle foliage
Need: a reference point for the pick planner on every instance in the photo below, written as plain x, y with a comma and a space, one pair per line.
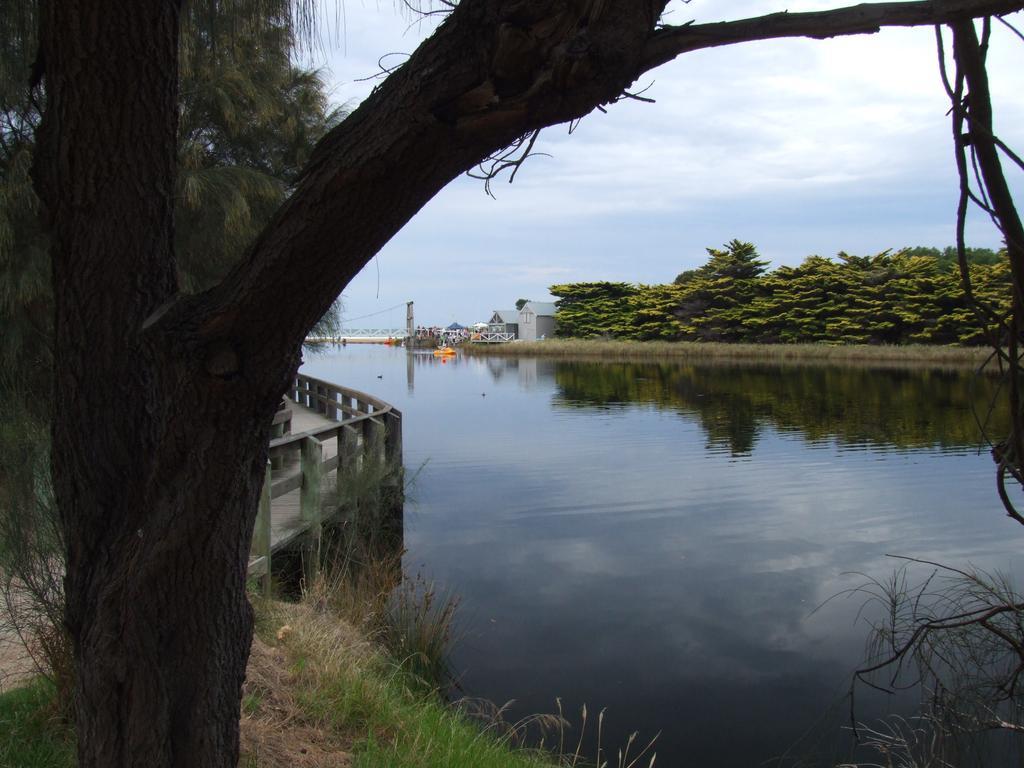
249, 119
248, 122
595, 309
25, 294
910, 296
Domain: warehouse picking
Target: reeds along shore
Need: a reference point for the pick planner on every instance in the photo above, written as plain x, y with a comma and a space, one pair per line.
918, 354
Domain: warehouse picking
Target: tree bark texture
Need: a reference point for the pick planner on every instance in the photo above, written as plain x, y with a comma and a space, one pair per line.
158, 450
164, 400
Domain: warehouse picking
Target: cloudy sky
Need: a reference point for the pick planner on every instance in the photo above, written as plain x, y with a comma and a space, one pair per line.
801, 147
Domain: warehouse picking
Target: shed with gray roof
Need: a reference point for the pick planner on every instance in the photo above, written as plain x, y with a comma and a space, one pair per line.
537, 320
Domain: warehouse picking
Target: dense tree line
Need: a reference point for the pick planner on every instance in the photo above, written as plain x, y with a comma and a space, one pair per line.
910, 296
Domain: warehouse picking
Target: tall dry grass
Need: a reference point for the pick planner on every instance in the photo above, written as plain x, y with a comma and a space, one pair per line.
607, 349
409, 616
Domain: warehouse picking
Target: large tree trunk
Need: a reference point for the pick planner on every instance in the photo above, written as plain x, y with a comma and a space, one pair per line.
164, 401
158, 448
158, 608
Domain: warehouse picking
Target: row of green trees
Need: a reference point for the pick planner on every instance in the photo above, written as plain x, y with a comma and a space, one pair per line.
914, 295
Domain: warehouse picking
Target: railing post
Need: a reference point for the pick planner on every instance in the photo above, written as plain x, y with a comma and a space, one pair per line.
278, 429
392, 521
394, 480
309, 503
321, 396
261, 535
348, 448
332, 404
393, 445
374, 434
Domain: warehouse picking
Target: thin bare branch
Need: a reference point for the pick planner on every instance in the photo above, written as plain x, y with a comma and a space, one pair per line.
866, 18
509, 159
1010, 26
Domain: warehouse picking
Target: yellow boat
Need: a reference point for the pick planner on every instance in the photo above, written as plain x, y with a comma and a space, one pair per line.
444, 352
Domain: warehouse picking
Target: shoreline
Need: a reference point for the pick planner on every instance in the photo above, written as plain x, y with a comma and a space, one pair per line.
710, 352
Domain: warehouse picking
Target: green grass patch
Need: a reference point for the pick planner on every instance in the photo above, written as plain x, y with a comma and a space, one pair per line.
394, 725
429, 735
31, 734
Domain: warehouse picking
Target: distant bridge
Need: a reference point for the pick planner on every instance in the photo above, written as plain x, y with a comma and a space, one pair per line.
373, 333
362, 334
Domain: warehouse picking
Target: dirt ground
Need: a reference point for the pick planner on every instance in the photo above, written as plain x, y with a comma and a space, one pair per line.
16, 665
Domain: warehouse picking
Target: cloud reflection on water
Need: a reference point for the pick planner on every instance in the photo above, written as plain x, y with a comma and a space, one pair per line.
655, 539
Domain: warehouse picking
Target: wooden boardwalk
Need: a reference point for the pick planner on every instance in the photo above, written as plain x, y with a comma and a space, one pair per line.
322, 428
285, 519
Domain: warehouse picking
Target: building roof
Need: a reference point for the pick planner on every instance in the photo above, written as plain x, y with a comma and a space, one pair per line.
546, 308
507, 316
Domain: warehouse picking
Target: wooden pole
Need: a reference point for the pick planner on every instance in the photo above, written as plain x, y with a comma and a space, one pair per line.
374, 446
393, 445
348, 447
261, 537
309, 503
393, 524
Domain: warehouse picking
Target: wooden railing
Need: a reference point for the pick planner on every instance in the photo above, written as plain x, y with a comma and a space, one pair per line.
364, 427
492, 337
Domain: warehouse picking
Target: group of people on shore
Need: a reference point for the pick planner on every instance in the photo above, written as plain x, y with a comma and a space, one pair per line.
442, 336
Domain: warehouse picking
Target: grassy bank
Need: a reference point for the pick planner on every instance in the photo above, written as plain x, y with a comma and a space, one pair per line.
317, 690
600, 349
317, 693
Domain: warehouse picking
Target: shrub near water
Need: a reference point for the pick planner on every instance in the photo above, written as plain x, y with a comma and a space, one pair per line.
411, 619
418, 630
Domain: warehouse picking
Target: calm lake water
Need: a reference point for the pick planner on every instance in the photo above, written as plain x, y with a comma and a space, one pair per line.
654, 539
